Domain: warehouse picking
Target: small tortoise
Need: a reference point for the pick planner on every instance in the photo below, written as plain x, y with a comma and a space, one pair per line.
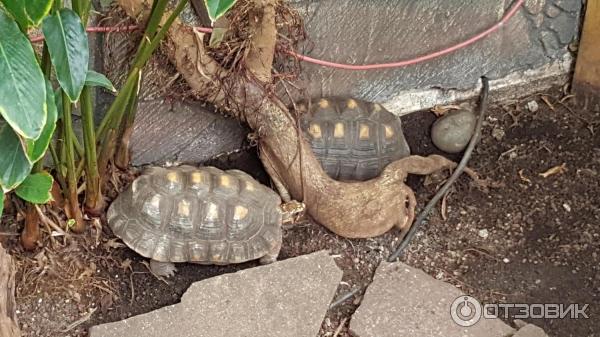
352, 139
203, 215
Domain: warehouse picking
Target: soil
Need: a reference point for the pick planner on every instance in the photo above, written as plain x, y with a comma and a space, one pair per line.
529, 239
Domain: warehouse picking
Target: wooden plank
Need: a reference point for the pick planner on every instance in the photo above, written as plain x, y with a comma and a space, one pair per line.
586, 81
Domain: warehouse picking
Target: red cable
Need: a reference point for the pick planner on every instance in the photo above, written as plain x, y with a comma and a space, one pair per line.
416, 60
511, 12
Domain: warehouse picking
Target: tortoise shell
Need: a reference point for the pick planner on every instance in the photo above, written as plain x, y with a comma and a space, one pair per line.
353, 139
204, 215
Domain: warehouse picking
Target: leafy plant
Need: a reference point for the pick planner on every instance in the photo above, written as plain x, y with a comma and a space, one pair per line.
36, 117
217, 8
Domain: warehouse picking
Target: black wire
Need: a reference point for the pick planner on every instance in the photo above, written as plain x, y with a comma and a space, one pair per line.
457, 172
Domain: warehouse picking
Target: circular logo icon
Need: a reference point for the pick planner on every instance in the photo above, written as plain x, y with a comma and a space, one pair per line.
465, 311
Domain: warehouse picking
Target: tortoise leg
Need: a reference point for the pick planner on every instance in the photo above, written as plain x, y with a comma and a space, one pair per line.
164, 269
272, 255
408, 215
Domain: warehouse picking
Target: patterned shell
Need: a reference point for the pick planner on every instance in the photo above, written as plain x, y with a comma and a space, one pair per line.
204, 215
353, 139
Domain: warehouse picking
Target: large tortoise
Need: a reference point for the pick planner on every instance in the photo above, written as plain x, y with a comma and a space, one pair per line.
202, 215
352, 139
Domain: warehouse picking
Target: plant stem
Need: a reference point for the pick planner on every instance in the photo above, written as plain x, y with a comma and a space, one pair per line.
82, 8
59, 176
143, 54
109, 145
118, 106
122, 157
31, 230
93, 194
77, 145
94, 201
71, 194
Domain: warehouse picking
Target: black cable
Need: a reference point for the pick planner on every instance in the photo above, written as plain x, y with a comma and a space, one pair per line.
457, 172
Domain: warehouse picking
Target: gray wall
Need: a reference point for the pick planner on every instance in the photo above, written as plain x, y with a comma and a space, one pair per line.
370, 31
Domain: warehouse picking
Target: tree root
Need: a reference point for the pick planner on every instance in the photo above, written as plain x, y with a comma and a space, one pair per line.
350, 209
31, 231
9, 326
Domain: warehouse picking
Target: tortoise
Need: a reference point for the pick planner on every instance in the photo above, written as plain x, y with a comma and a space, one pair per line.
351, 138
202, 215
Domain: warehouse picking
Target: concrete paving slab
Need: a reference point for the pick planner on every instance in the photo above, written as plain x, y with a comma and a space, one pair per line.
287, 298
183, 132
530, 330
405, 301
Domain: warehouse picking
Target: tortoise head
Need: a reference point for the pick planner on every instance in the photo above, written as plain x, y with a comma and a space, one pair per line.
292, 210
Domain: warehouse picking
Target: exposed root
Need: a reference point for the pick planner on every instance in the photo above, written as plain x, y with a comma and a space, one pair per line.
350, 209
31, 231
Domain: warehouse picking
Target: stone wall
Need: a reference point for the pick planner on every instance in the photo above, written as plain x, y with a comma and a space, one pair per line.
528, 54
375, 31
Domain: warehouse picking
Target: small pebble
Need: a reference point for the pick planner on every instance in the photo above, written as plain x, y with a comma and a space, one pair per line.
505, 260
532, 106
483, 233
498, 134
567, 207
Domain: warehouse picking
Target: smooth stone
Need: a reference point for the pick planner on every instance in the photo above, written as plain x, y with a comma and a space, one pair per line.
451, 133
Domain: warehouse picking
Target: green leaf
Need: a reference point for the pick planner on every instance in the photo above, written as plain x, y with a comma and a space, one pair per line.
22, 88
216, 37
1, 202
216, 8
68, 46
28, 12
37, 10
36, 149
16, 8
36, 188
95, 79
14, 164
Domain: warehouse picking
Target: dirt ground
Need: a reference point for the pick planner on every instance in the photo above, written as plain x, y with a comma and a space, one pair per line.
530, 239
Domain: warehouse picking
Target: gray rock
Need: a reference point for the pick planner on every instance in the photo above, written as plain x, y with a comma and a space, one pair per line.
564, 26
530, 330
550, 41
286, 298
553, 11
569, 5
534, 6
451, 133
404, 301
519, 323
182, 131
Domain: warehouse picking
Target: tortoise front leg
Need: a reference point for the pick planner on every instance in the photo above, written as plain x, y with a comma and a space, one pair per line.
163, 269
272, 254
